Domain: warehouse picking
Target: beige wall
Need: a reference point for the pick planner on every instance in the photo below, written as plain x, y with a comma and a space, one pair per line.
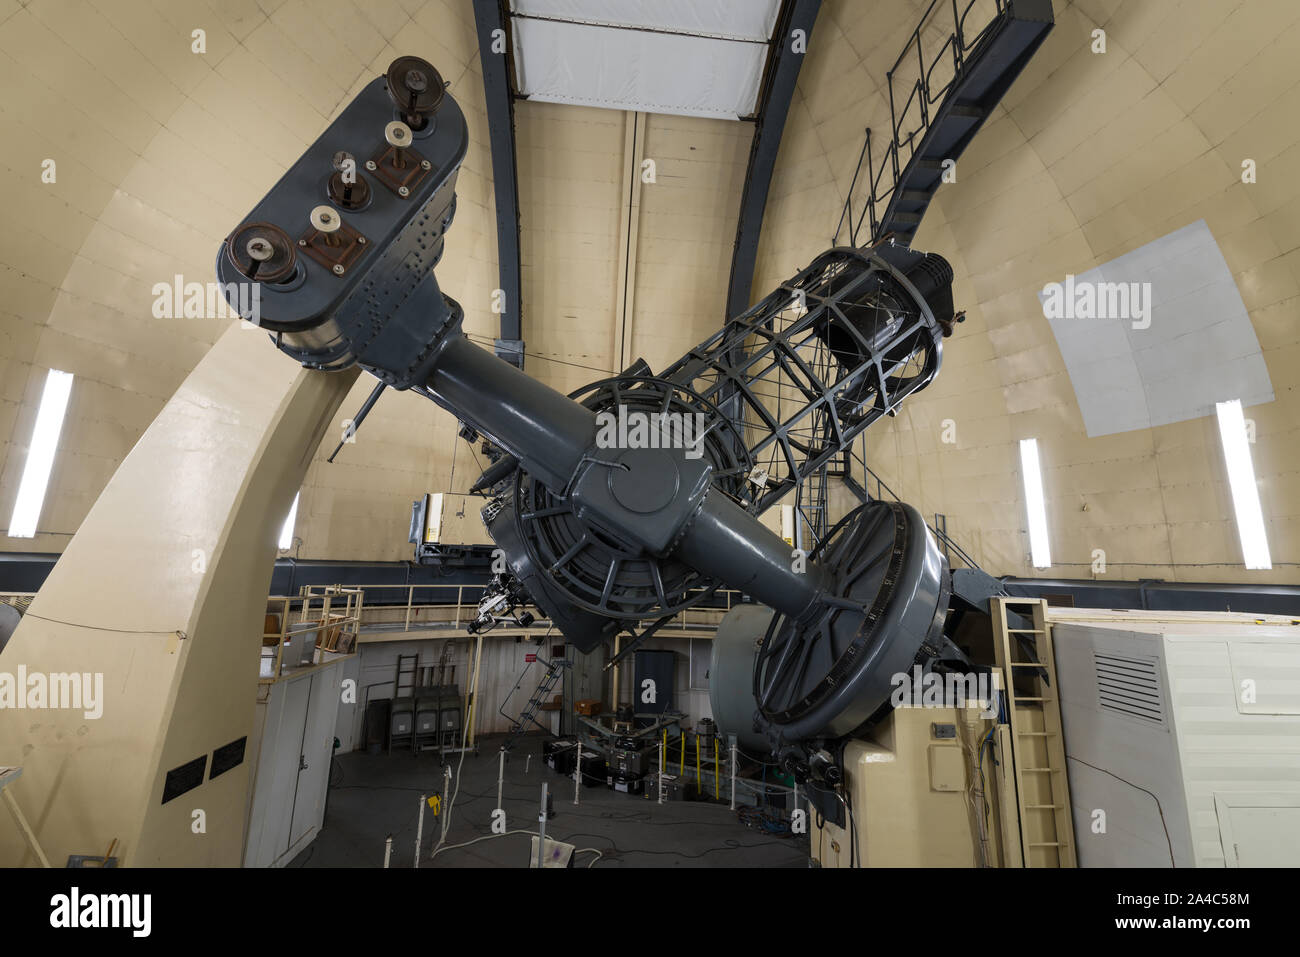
571, 163
160, 151
1090, 156
687, 233
158, 157
610, 260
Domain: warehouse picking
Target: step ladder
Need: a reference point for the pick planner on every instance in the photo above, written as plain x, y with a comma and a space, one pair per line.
554, 669
1023, 648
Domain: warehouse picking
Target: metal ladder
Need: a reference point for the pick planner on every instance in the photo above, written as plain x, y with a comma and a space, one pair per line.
404, 684
405, 689
554, 668
1037, 746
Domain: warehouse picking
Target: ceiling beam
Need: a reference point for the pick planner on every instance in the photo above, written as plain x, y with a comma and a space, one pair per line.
491, 22
774, 104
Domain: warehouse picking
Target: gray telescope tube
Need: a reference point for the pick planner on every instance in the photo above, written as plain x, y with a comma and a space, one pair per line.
726, 542
550, 434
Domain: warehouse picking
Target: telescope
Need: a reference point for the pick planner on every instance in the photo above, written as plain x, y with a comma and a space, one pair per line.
639, 496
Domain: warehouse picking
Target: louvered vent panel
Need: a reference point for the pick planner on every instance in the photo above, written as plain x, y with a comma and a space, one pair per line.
1129, 686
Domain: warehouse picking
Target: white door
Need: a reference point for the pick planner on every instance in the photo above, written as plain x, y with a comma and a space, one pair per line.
314, 753
278, 769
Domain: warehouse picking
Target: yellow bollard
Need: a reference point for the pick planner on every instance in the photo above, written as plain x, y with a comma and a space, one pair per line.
717, 784
698, 779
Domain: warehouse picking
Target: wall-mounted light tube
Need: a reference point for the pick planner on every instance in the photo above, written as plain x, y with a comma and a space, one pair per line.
1039, 551
1245, 491
40, 455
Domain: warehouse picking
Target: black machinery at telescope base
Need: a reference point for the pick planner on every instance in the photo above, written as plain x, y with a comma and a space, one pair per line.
602, 538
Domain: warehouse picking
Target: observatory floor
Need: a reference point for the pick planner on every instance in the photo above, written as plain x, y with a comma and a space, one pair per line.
372, 797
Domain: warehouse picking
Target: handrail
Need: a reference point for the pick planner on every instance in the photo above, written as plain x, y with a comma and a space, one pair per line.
412, 614
923, 93
334, 610
943, 536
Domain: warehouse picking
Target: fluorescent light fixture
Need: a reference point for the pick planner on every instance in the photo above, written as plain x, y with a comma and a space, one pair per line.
1241, 477
1039, 552
286, 532
40, 456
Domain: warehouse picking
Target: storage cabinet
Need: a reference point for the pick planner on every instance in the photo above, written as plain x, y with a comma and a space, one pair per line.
294, 734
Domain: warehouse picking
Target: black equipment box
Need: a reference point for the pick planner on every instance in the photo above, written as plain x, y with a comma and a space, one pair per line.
560, 754
594, 769
629, 761
626, 783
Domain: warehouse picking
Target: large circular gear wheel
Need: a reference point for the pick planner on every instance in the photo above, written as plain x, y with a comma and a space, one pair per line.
587, 563
825, 676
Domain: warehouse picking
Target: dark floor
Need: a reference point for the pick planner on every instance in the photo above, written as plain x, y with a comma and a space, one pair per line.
372, 797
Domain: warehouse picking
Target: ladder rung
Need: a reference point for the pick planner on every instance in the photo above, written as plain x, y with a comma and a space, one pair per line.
1037, 734
1025, 631
1018, 698
1041, 770
1042, 807
1027, 664
1048, 844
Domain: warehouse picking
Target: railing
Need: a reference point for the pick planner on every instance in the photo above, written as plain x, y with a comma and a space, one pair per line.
940, 533
18, 599
403, 608
332, 612
917, 100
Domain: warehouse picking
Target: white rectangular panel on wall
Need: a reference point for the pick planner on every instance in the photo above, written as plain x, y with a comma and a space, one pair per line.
1193, 347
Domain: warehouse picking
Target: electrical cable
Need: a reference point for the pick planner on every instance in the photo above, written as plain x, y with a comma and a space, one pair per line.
590, 850
485, 837
464, 737
731, 844
848, 809
853, 832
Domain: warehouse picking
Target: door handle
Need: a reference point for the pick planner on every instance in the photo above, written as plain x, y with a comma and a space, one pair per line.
302, 762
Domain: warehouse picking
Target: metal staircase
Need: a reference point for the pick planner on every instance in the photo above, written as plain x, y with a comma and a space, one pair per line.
554, 669
876, 489
949, 77
940, 94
